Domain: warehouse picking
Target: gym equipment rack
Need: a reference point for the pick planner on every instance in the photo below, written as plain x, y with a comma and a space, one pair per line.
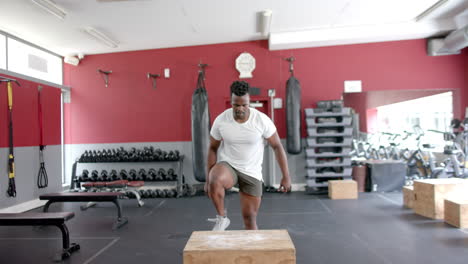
329, 140
179, 179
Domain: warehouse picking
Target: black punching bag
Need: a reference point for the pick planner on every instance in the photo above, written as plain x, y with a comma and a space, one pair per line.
200, 129
293, 116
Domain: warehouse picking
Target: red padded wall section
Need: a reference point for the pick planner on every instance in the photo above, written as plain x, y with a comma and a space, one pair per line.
25, 114
129, 110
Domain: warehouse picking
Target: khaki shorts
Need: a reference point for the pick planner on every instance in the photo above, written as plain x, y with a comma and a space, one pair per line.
247, 184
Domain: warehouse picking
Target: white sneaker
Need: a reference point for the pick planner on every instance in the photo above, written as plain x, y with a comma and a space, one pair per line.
221, 222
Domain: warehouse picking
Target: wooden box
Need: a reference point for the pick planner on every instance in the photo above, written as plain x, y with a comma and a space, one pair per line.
408, 196
342, 189
456, 212
243, 246
429, 195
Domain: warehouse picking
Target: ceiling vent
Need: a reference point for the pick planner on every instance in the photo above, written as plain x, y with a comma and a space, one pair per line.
452, 44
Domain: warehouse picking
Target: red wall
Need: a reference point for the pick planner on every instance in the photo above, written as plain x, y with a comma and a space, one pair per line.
464, 93
129, 110
25, 114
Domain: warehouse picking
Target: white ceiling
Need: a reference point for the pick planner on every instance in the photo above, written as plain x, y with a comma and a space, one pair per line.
151, 24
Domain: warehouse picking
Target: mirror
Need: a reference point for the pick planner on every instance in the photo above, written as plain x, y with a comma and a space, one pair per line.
397, 111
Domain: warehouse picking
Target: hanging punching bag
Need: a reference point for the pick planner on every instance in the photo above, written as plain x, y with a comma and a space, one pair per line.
200, 129
293, 116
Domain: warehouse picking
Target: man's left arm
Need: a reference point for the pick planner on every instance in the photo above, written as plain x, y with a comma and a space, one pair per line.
275, 143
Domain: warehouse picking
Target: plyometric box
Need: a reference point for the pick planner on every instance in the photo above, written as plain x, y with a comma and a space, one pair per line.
342, 189
456, 212
243, 246
429, 195
408, 196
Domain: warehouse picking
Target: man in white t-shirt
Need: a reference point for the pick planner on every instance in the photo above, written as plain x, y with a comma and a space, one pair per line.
235, 157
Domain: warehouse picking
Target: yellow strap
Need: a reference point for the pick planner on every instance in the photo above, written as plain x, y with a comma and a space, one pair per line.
10, 95
11, 174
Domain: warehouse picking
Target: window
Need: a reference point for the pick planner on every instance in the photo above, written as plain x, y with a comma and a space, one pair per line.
2, 52
430, 113
28, 60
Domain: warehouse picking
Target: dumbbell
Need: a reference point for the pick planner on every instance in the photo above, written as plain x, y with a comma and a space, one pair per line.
130, 194
132, 175
170, 175
154, 194
162, 174
104, 176
157, 154
152, 175
164, 155
170, 193
83, 157
94, 175
124, 175
161, 193
84, 176
141, 175
114, 175
103, 157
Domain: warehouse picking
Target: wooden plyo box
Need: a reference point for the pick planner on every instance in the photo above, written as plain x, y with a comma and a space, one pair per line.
429, 195
408, 196
243, 246
456, 212
342, 189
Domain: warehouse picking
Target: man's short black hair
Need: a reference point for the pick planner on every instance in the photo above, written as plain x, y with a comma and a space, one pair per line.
240, 88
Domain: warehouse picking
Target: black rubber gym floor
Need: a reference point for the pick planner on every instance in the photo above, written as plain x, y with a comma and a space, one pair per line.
373, 229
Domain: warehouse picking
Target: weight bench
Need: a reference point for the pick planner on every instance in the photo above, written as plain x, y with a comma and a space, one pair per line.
88, 197
120, 184
44, 219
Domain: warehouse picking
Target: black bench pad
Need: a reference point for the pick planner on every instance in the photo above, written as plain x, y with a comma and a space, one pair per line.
31, 218
88, 197
41, 219
82, 197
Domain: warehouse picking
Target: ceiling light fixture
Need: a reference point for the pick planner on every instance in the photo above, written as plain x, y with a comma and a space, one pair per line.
430, 10
51, 7
98, 35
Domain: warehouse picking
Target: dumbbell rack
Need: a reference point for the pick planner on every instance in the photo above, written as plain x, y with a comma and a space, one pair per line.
180, 179
328, 146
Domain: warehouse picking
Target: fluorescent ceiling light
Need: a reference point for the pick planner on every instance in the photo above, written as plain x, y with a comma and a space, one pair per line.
51, 7
430, 9
101, 37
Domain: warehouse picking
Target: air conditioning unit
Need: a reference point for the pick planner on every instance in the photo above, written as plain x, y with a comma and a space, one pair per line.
452, 44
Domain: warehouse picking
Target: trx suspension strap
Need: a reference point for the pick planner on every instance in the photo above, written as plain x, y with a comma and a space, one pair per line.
11, 192
42, 179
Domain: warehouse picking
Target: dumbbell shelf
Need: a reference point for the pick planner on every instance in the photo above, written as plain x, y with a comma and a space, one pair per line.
314, 142
178, 180
314, 132
312, 183
311, 153
317, 163
312, 173
315, 112
311, 122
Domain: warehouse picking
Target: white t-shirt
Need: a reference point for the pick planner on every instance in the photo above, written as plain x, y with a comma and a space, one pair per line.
243, 143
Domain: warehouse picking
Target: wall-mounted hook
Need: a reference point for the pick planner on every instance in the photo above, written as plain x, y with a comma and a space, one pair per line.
291, 64
202, 67
153, 78
105, 75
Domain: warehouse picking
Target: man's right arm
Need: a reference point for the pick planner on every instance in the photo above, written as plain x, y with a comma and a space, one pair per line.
212, 156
